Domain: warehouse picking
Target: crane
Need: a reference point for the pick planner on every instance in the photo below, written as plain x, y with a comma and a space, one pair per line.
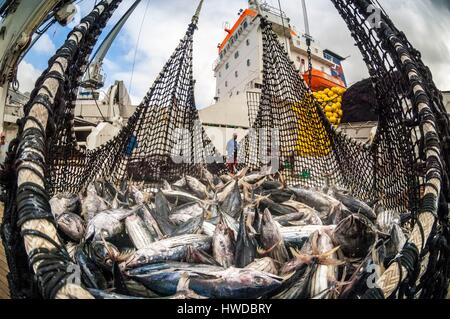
93, 78
20, 20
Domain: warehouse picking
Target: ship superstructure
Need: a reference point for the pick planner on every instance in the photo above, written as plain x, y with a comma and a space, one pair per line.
239, 65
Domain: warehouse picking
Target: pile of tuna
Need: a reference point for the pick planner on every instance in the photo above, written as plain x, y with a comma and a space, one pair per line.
235, 236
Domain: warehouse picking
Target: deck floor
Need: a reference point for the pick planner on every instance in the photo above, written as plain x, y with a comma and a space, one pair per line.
4, 289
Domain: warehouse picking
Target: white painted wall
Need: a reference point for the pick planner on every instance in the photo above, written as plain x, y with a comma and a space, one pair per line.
227, 84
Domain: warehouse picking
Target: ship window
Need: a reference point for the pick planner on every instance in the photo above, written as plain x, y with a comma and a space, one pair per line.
236, 55
237, 93
248, 42
236, 74
258, 86
220, 74
316, 50
248, 62
298, 42
227, 66
226, 84
245, 24
218, 91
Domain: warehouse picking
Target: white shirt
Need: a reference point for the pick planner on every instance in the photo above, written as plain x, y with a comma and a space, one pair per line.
230, 150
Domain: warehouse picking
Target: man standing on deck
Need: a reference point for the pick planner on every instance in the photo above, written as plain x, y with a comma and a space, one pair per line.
232, 153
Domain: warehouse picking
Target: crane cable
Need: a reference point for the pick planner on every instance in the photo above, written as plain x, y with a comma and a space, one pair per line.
284, 29
137, 47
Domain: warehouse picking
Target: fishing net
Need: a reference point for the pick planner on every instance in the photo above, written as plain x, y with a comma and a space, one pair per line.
406, 167
163, 139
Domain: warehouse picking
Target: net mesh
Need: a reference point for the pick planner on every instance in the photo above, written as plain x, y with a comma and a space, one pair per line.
289, 130
163, 139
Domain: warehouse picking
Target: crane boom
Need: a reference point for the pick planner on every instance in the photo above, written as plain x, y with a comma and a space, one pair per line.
21, 20
93, 79
305, 16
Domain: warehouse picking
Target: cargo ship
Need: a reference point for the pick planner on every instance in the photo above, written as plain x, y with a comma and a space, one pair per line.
238, 70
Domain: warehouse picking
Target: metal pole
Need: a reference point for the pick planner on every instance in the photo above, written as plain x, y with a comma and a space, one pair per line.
305, 16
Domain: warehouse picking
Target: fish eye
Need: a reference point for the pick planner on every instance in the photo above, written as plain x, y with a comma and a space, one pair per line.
259, 280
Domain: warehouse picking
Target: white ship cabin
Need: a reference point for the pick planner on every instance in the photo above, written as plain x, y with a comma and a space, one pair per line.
238, 70
239, 65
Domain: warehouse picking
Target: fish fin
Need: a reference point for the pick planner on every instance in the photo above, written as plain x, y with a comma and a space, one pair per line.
295, 252
265, 252
259, 199
183, 282
241, 173
331, 252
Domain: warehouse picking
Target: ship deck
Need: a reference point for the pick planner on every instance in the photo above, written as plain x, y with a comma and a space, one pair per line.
4, 289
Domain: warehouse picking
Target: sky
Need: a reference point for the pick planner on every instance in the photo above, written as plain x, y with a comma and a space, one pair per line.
156, 26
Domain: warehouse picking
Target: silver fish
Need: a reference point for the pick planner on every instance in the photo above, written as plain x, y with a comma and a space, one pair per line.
229, 187
310, 215
197, 187
181, 183
138, 231
183, 213
232, 203
139, 197
296, 236
92, 203
235, 283
271, 239
324, 204
223, 245
180, 197
208, 229
65, 203
355, 205
72, 225
266, 264
100, 294
325, 274
355, 236
174, 248
150, 221
107, 224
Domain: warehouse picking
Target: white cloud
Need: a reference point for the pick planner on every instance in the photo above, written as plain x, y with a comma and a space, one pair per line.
27, 75
166, 21
44, 45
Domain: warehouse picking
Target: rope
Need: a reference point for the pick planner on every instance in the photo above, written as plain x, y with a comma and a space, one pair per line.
284, 30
